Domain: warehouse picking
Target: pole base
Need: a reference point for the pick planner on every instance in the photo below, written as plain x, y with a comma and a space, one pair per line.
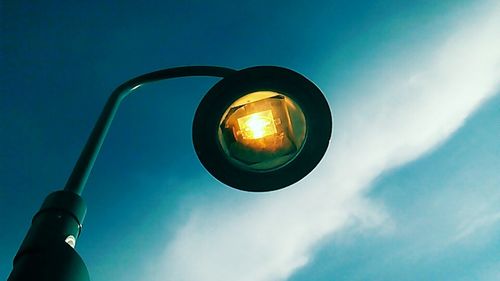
57, 263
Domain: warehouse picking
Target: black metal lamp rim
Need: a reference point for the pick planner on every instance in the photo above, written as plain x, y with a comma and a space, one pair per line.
262, 78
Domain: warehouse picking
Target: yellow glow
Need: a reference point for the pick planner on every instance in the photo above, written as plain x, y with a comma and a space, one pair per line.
257, 125
262, 130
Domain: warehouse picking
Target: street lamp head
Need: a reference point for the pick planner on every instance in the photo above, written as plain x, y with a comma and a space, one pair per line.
262, 128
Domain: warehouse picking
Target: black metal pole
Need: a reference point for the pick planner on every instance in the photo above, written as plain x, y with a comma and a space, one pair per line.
47, 252
81, 171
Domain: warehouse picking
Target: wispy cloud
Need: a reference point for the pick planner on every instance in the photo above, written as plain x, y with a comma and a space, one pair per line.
268, 237
476, 223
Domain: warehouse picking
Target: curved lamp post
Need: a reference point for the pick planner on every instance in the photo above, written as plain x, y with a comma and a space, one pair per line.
258, 129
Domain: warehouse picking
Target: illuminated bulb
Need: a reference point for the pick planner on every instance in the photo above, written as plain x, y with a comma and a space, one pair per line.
257, 125
262, 130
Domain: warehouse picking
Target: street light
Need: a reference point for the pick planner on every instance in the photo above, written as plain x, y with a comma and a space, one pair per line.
262, 128
258, 129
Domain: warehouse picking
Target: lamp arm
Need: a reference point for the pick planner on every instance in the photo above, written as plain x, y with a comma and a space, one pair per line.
79, 175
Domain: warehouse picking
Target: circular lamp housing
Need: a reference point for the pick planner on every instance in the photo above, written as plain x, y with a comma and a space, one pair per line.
262, 128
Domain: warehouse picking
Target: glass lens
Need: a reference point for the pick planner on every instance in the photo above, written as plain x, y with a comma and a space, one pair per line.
262, 130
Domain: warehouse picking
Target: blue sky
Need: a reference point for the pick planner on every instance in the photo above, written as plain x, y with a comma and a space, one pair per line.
407, 190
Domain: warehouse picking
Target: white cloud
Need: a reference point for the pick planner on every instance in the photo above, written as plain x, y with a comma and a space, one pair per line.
268, 237
476, 223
